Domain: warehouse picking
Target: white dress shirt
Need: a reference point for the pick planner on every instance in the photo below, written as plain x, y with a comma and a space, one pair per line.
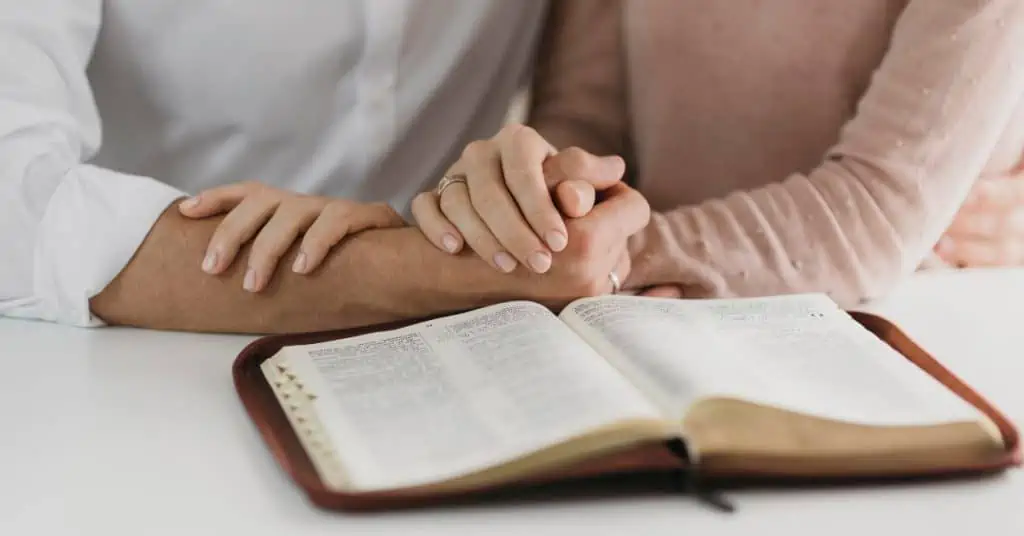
365, 99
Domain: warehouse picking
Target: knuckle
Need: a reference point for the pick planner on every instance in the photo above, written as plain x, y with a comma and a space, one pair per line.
587, 244
574, 160
524, 136
476, 150
264, 196
511, 130
385, 214
293, 207
336, 209
423, 201
252, 187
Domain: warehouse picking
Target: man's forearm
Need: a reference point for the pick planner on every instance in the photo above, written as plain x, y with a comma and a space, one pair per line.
376, 276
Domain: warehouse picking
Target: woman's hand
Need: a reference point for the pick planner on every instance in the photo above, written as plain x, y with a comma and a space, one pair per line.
597, 257
989, 229
274, 219
504, 203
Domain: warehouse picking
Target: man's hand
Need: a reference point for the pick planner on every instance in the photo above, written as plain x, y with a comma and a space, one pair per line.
663, 291
506, 208
380, 275
376, 276
989, 229
596, 248
274, 219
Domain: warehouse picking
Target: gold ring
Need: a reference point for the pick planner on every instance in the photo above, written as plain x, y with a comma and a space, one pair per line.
449, 180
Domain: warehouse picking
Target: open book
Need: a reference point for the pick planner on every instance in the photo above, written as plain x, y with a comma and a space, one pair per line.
772, 386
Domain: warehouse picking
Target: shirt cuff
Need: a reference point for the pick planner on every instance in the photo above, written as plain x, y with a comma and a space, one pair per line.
92, 226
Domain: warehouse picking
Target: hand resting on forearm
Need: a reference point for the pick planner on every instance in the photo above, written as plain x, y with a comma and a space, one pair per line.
371, 277
375, 276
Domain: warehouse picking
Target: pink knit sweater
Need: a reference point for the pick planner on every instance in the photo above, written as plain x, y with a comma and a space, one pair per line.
788, 145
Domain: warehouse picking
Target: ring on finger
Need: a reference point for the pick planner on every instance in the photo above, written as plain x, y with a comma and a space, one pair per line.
449, 180
616, 282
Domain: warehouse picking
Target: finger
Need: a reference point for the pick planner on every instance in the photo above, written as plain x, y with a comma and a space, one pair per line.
575, 198
216, 200
975, 223
623, 211
522, 158
663, 291
999, 192
989, 223
457, 208
574, 163
290, 219
492, 202
967, 252
621, 270
337, 220
364, 216
237, 228
426, 211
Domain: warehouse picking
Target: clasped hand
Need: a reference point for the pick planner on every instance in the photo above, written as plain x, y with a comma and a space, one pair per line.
989, 228
524, 208
522, 205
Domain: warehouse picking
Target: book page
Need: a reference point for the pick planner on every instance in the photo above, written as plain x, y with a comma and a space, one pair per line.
800, 353
445, 398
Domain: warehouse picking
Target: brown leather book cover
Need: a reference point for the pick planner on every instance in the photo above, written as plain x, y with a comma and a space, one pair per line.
649, 465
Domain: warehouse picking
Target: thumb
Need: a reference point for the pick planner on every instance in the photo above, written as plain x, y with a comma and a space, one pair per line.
575, 198
601, 172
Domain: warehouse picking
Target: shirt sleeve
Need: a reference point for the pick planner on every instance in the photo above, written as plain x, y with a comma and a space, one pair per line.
67, 228
869, 214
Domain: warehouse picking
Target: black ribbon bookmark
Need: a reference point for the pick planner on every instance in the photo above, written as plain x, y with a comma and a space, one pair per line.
689, 480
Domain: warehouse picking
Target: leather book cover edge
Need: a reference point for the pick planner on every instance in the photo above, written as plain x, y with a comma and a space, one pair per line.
269, 419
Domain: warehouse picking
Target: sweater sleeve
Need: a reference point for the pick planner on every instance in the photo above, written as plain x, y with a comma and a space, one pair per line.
579, 96
871, 211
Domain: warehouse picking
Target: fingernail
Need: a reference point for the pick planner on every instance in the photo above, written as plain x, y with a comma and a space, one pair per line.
580, 190
540, 261
190, 203
210, 262
615, 163
505, 262
449, 242
584, 201
299, 266
556, 240
249, 283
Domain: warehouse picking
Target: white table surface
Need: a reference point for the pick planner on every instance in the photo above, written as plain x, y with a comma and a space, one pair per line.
121, 431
